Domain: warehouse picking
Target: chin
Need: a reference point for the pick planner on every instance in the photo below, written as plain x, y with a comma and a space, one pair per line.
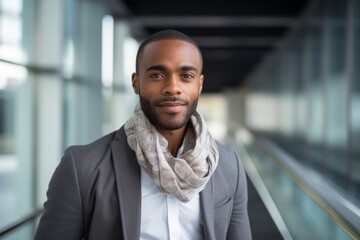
172, 125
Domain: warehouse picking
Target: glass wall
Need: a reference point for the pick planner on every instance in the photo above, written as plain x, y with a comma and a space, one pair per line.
354, 104
52, 94
335, 95
305, 96
16, 117
313, 62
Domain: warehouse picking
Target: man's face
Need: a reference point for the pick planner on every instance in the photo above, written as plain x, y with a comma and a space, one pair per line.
169, 83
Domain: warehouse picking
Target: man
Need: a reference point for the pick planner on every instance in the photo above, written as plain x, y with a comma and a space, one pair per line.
162, 175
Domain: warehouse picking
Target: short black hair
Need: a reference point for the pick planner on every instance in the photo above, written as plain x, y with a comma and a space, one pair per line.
163, 35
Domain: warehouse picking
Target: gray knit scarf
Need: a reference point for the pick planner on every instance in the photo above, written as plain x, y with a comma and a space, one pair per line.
182, 177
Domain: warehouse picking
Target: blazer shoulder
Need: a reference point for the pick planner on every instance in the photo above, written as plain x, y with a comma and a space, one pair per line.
90, 154
230, 165
96, 147
225, 149
228, 156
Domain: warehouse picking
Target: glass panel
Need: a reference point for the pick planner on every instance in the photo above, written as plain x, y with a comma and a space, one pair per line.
335, 93
72, 113
16, 117
16, 142
314, 90
355, 98
11, 30
83, 112
314, 82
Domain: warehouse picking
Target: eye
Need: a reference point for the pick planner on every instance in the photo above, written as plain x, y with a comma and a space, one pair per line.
187, 76
156, 75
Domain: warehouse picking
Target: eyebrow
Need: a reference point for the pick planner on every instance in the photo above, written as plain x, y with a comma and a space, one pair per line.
163, 68
156, 67
189, 68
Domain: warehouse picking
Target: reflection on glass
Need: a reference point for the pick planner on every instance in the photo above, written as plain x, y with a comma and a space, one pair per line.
11, 30
107, 57
312, 87
335, 93
16, 121
313, 80
16, 149
355, 101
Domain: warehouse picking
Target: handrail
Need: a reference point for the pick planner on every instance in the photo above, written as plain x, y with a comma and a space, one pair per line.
294, 170
263, 192
321, 195
20, 221
33, 68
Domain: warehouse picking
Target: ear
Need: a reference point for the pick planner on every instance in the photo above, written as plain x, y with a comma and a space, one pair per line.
201, 80
135, 83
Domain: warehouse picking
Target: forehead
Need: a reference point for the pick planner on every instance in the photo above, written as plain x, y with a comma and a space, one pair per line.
170, 51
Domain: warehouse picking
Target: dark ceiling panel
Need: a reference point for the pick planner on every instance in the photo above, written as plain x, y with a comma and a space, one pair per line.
213, 21
204, 8
233, 35
233, 54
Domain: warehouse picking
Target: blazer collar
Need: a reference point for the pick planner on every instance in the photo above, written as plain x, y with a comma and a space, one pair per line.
127, 175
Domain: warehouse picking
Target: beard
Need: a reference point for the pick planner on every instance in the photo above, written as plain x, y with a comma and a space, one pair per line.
168, 121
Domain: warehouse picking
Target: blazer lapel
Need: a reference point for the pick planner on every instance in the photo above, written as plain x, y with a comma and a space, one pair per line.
207, 209
127, 175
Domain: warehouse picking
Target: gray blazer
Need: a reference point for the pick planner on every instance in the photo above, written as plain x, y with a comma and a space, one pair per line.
95, 194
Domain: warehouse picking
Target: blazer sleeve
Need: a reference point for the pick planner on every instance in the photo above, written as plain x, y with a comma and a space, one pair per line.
62, 216
239, 227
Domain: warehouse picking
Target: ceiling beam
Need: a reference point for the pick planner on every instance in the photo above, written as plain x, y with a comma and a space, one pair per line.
213, 21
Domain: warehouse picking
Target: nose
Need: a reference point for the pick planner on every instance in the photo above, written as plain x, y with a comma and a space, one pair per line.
172, 86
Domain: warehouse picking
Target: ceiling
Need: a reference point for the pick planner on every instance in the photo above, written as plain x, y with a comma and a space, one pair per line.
233, 35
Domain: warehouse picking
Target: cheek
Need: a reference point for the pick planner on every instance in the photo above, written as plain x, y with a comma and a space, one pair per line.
147, 90
194, 90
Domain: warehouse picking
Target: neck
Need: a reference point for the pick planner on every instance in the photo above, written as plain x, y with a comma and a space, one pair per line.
174, 139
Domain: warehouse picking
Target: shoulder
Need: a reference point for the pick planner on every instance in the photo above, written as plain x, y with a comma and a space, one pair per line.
87, 161
230, 166
228, 157
225, 150
90, 155
94, 148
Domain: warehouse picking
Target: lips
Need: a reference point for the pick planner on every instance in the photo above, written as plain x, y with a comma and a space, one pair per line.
172, 107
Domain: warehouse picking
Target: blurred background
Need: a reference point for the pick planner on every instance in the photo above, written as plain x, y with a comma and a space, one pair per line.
280, 87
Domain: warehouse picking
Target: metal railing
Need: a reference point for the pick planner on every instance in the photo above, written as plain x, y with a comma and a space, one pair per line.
320, 193
20, 221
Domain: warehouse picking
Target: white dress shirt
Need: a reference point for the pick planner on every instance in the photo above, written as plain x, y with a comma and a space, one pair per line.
164, 217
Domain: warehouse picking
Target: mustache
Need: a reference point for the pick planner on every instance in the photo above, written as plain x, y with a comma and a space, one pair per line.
171, 99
